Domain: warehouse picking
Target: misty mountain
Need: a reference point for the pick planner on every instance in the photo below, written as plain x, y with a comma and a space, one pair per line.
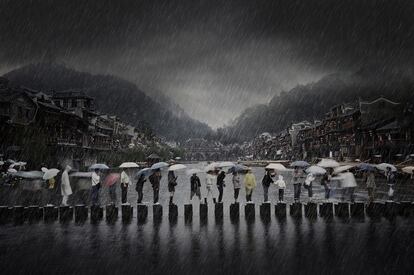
312, 101
114, 96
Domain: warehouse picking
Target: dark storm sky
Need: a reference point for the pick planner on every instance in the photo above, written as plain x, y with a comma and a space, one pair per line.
215, 58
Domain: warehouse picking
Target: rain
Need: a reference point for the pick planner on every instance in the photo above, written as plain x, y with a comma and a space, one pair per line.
206, 137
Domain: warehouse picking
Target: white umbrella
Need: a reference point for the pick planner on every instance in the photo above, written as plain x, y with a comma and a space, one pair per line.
43, 169
18, 164
316, 170
176, 167
50, 173
226, 164
343, 168
11, 171
99, 166
276, 166
159, 165
194, 171
408, 169
385, 166
328, 163
211, 167
129, 165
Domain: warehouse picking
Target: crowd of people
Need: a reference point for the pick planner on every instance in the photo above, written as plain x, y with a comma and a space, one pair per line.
246, 179
215, 180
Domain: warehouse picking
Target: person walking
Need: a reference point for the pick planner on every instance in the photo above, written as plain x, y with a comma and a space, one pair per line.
348, 184
266, 181
389, 174
236, 185
195, 187
308, 185
139, 187
112, 193
210, 180
124, 186
249, 184
65, 188
281, 185
172, 182
50, 191
96, 185
155, 180
326, 182
371, 186
220, 185
297, 182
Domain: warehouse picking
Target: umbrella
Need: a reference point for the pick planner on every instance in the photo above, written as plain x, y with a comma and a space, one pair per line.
276, 166
129, 165
385, 166
194, 171
44, 169
176, 167
225, 164
1, 163
299, 163
11, 171
29, 174
50, 173
81, 174
99, 166
159, 165
18, 164
146, 172
237, 168
328, 163
408, 169
316, 170
343, 168
111, 179
365, 166
211, 167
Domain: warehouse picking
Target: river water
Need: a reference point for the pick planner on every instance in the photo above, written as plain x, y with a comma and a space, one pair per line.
290, 246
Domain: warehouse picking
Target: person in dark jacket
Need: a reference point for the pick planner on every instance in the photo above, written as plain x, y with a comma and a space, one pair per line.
155, 180
326, 182
195, 186
140, 187
266, 181
220, 185
172, 182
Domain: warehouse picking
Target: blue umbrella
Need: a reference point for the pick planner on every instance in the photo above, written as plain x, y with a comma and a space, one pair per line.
159, 165
300, 163
146, 172
365, 166
99, 166
237, 168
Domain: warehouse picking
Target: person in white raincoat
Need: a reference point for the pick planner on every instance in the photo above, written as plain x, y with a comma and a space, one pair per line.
348, 183
281, 185
211, 179
65, 188
308, 184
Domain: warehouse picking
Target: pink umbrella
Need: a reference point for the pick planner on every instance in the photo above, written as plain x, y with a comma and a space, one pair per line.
111, 179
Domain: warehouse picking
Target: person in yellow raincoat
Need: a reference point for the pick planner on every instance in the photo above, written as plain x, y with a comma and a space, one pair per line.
249, 184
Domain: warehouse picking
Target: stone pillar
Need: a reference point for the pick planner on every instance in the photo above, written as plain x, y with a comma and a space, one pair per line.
142, 213
249, 212
203, 213
391, 209
375, 209
311, 210
265, 211
50, 213
188, 213
326, 210
296, 210
406, 209
280, 210
6, 214
18, 215
357, 210
172, 213
218, 212
81, 213
127, 212
234, 212
96, 213
342, 209
34, 213
111, 212
65, 213
157, 213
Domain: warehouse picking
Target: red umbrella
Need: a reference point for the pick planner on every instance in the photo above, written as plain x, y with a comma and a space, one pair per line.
111, 179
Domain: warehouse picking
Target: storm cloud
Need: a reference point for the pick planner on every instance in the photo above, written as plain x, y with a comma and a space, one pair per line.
214, 58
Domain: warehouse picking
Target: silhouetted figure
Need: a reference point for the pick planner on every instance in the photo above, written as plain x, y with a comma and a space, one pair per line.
220, 185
